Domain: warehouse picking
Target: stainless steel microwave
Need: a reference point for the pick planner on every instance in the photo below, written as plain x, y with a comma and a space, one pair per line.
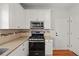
37, 25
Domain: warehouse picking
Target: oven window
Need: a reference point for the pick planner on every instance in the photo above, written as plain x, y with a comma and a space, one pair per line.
36, 46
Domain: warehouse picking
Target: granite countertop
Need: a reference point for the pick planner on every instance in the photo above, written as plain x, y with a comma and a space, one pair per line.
12, 45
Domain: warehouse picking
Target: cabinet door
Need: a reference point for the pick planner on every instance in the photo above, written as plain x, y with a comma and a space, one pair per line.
16, 16
48, 47
13, 16
23, 20
26, 48
21, 15
18, 52
28, 18
47, 19
4, 16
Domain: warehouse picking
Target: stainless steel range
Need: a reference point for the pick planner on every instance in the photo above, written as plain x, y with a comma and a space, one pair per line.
37, 44
37, 36
37, 41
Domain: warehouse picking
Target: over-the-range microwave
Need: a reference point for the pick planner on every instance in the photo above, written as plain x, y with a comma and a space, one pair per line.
37, 25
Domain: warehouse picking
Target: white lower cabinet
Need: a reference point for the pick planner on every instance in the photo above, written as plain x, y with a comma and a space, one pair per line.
18, 52
26, 48
21, 50
48, 47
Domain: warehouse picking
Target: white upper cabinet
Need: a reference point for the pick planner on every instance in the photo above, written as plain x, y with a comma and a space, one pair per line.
17, 19
12, 16
39, 15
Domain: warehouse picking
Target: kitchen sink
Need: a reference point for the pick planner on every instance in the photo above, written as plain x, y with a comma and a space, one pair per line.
2, 50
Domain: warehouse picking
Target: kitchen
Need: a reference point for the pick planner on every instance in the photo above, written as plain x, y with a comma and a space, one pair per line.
38, 29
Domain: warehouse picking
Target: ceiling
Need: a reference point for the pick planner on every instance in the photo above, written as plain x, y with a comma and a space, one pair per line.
47, 5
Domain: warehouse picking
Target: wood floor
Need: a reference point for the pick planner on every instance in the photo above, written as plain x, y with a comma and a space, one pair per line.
63, 53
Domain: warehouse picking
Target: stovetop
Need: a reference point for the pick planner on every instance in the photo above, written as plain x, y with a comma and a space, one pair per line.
36, 37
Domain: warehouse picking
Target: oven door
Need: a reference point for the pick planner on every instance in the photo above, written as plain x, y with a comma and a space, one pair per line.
36, 48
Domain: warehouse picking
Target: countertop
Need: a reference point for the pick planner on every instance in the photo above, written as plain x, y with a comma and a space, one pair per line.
12, 45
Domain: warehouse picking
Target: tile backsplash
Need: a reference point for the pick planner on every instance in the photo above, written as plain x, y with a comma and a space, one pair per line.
8, 35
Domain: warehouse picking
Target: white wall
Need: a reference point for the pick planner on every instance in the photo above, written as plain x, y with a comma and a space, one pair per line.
59, 17
74, 36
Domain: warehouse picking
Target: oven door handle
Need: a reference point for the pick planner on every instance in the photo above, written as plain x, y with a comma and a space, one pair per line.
36, 41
